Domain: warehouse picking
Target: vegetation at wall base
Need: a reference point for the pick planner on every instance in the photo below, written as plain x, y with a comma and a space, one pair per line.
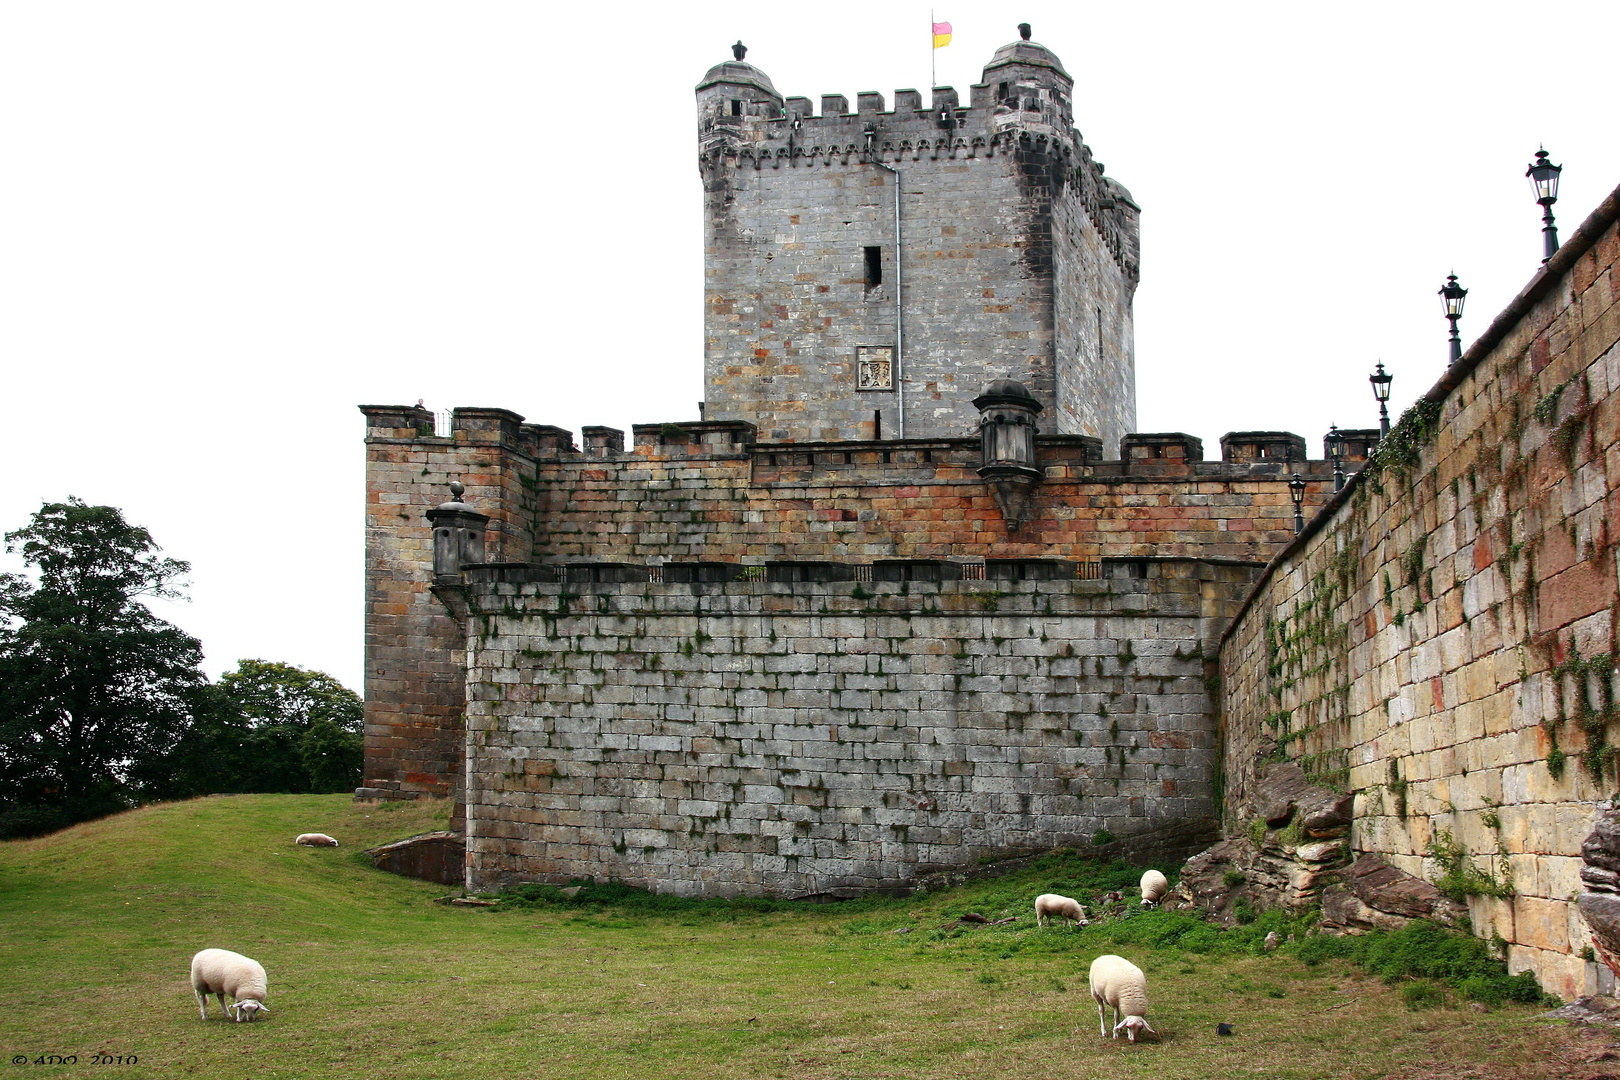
1449, 961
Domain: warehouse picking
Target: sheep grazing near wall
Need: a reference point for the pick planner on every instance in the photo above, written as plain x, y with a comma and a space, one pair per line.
221, 972
1118, 984
315, 839
1048, 905
1154, 886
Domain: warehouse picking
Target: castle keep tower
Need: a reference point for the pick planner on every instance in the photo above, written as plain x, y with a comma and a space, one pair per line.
836, 307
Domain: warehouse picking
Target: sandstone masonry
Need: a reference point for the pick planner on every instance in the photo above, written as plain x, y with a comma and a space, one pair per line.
705, 493
1441, 642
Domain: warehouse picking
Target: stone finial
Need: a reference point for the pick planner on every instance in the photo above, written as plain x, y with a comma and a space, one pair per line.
740, 50
1023, 30
458, 535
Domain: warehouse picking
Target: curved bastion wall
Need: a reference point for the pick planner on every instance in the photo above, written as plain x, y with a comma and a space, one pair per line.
820, 737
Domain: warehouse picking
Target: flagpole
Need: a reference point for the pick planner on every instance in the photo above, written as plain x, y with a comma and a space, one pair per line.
933, 74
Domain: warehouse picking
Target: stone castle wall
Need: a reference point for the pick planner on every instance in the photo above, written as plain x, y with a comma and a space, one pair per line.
704, 493
1093, 320
1442, 643
808, 737
919, 499
415, 663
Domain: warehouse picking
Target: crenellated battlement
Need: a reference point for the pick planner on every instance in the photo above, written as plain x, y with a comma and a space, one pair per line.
1029, 124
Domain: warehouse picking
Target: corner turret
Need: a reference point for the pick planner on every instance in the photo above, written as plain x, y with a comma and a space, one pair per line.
733, 99
1026, 76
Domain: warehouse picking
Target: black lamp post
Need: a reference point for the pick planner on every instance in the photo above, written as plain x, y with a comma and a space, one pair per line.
1334, 441
1380, 384
1453, 294
1296, 491
1543, 176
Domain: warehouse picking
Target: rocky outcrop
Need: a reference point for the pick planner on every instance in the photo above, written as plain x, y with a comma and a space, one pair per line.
1372, 895
1284, 797
1297, 854
1600, 875
1240, 875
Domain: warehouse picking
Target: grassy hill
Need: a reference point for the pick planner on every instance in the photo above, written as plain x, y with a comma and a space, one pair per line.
370, 978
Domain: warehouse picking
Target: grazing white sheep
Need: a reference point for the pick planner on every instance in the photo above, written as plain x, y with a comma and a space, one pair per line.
1154, 886
1118, 984
221, 972
315, 839
1049, 904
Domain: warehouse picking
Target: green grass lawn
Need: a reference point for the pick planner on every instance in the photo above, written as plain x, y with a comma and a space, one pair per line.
370, 978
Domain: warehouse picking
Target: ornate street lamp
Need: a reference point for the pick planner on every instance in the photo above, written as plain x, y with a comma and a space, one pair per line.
1334, 441
1296, 491
1380, 384
1543, 176
1452, 295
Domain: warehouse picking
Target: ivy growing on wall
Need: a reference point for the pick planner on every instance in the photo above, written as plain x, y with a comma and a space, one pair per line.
1399, 452
1584, 691
1307, 649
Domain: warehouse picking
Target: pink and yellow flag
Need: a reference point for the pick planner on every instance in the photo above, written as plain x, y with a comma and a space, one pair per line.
942, 34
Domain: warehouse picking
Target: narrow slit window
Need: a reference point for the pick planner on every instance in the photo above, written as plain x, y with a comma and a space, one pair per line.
874, 267
877, 424
1099, 334
736, 106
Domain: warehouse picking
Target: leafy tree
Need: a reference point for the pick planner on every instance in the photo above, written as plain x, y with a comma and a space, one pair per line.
267, 727
305, 724
92, 684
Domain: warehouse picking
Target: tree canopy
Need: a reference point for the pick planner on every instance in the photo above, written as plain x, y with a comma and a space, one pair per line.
91, 682
104, 705
268, 727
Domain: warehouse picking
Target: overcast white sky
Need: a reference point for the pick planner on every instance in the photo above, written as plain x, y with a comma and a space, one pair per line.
225, 225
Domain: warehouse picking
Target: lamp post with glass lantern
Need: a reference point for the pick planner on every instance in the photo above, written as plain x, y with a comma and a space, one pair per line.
1452, 295
1380, 383
1543, 176
1296, 491
1334, 441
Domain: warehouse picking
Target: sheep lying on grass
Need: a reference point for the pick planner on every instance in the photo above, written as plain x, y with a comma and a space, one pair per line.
315, 839
1049, 904
1154, 886
220, 972
1118, 984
